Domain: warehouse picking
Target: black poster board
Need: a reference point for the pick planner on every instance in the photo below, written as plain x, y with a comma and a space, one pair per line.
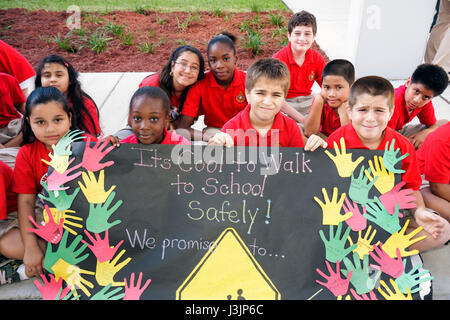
254, 206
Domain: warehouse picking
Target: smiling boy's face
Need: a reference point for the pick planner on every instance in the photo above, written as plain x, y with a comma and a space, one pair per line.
301, 38
370, 116
148, 118
266, 99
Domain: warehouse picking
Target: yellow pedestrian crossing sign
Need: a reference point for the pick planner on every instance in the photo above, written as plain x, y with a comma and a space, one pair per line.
228, 271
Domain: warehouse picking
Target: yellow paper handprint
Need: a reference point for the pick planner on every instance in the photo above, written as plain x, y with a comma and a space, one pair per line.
58, 215
364, 246
106, 270
94, 190
58, 162
386, 179
72, 276
343, 160
332, 209
393, 295
401, 240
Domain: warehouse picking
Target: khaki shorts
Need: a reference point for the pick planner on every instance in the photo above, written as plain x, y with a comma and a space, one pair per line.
13, 221
10, 131
301, 103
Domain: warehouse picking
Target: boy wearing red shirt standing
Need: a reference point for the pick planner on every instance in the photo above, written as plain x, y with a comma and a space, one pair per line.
371, 107
434, 163
414, 99
305, 64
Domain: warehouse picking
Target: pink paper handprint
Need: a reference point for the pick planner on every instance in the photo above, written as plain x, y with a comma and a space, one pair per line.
100, 247
93, 156
335, 283
390, 266
134, 292
403, 198
50, 289
50, 232
357, 221
55, 180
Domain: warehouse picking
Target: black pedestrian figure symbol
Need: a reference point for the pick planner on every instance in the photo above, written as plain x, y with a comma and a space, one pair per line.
239, 297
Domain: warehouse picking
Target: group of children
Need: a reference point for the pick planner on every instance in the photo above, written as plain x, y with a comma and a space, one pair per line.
269, 104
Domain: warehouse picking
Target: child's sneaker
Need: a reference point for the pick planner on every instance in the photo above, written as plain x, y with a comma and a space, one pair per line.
8, 271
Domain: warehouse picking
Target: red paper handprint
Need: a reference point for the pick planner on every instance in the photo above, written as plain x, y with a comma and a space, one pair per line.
101, 248
50, 232
55, 180
50, 289
134, 292
390, 266
357, 221
403, 198
93, 156
335, 283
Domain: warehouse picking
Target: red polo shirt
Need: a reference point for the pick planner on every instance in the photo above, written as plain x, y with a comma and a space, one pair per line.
10, 95
302, 77
153, 81
434, 155
411, 175
15, 64
402, 116
169, 138
217, 104
29, 170
8, 198
284, 132
329, 121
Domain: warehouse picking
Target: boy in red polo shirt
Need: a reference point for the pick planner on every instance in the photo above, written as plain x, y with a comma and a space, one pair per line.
261, 123
329, 109
434, 163
371, 106
12, 104
414, 99
305, 64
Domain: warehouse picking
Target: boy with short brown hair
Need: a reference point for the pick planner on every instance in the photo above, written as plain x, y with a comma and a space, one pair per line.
304, 63
371, 105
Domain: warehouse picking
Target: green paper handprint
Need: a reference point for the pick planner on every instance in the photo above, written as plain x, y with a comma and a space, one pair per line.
112, 295
378, 214
359, 188
60, 199
62, 148
99, 214
361, 279
390, 158
335, 247
411, 279
67, 253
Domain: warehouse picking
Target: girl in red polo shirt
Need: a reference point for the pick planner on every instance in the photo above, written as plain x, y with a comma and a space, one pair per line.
55, 71
47, 119
221, 95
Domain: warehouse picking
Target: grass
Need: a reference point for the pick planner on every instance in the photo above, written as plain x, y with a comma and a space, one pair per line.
160, 5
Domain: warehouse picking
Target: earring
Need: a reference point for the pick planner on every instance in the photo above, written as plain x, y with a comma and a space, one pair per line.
171, 73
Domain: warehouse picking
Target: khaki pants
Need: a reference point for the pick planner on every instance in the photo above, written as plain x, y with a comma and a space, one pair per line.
438, 46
